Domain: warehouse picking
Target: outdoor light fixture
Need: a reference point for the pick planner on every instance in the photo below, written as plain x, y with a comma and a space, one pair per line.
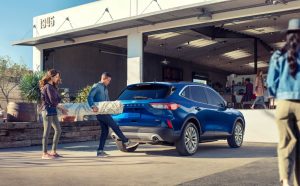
165, 61
69, 40
204, 15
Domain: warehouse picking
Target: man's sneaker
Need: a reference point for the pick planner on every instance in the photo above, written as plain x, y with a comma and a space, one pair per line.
102, 154
130, 144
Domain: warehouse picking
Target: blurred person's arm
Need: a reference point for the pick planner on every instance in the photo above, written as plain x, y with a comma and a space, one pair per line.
273, 75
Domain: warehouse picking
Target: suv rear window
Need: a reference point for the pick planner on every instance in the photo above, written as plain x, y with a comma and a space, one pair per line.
146, 91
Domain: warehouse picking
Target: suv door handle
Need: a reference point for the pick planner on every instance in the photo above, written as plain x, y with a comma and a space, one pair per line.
197, 108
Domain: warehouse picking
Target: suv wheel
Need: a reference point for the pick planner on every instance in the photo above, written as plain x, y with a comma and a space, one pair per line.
236, 139
122, 148
188, 143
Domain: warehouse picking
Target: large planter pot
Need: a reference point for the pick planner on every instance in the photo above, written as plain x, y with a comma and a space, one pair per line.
21, 112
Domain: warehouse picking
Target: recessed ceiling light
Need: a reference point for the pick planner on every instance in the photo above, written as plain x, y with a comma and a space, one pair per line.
237, 54
260, 64
262, 30
279, 44
164, 35
250, 26
200, 43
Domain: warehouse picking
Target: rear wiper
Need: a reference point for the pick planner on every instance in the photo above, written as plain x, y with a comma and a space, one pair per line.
140, 97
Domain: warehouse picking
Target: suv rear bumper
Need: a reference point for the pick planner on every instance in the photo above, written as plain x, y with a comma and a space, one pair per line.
148, 134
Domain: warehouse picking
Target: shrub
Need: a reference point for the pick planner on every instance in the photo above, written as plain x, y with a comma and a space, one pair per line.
29, 86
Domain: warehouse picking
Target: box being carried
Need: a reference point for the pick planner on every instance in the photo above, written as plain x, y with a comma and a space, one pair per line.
81, 109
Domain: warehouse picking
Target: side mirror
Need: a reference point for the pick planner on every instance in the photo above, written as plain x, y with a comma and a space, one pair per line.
230, 105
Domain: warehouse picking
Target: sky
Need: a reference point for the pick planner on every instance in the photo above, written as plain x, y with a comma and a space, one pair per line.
16, 17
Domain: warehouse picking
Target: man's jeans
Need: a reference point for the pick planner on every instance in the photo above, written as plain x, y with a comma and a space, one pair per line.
107, 121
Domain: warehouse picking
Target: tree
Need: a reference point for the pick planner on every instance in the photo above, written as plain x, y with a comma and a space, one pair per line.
10, 75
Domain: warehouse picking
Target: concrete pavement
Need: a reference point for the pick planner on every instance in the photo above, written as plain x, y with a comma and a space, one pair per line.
214, 164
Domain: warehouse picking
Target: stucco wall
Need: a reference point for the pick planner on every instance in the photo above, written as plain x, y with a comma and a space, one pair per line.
260, 126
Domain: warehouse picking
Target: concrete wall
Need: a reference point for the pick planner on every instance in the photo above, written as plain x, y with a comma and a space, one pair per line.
82, 65
260, 126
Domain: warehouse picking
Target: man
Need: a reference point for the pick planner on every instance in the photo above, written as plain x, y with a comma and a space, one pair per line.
99, 93
249, 90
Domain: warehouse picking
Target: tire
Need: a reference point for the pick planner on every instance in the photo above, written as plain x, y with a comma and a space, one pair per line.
122, 148
188, 143
237, 137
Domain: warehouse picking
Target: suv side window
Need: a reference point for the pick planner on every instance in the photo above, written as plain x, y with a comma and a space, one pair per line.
214, 98
186, 93
198, 94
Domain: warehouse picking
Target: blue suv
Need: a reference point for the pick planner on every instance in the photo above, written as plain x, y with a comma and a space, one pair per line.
180, 114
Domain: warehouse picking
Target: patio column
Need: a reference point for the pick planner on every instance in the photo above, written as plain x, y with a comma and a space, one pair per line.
135, 58
255, 56
37, 57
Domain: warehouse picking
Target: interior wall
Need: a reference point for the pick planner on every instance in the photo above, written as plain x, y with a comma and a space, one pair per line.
153, 69
82, 65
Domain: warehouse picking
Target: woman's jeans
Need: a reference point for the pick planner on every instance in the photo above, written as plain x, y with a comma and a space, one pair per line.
49, 121
260, 100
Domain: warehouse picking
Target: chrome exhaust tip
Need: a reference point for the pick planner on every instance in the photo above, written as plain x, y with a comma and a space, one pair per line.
156, 138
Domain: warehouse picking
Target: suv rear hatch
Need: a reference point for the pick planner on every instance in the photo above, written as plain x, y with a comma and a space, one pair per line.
141, 105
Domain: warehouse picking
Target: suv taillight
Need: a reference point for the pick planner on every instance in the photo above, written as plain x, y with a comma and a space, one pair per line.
166, 106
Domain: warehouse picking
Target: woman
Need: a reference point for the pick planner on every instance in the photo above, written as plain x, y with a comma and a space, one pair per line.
50, 104
284, 84
259, 90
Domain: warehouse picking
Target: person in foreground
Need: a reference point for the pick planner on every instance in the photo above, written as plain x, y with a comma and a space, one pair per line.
99, 93
284, 84
50, 103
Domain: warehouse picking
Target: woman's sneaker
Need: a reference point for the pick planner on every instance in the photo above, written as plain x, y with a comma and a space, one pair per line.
102, 154
47, 157
56, 155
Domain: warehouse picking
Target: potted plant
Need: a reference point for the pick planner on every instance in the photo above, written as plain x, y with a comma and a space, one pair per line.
82, 97
29, 87
83, 94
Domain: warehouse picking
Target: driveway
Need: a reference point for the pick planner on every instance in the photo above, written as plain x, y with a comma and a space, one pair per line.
214, 164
